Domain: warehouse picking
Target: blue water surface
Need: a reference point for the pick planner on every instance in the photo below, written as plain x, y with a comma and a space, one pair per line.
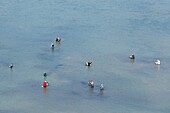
105, 32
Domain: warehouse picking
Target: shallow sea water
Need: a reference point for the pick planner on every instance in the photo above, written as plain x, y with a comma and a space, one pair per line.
105, 32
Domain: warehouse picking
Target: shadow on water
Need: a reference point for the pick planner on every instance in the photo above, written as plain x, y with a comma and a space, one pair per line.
11, 71
88, 68
91, 90
101, 92
44, 90
158, 67
83, 83
57, 43
52, 50
45, 78
58, 66
132, 61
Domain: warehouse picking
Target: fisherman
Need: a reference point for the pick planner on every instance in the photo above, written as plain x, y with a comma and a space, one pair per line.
52, 45
132, 56
45, 84
58, 39
11, 66
91, 83
88, 63
45, 74
101, 87
158, 62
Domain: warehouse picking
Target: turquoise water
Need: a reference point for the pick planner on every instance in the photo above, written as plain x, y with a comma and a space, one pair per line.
103, 31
